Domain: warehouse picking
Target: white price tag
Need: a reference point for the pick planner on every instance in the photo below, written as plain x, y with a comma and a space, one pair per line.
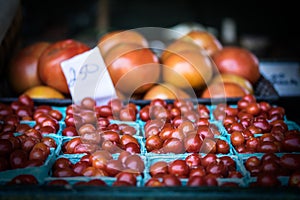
87, 76
285, 76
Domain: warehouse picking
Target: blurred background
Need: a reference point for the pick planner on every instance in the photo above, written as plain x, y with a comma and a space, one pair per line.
268, 28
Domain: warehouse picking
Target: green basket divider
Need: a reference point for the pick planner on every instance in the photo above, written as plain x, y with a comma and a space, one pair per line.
292, 125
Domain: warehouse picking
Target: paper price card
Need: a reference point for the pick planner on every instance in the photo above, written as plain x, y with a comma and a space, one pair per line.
285, 76
87, 76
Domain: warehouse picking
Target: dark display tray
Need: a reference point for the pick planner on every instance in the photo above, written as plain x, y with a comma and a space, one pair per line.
263, 91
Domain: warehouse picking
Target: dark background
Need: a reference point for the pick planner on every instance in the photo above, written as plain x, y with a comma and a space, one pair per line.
274, 21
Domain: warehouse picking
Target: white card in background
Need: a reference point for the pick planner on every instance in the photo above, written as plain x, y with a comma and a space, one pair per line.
87, 76
285, 76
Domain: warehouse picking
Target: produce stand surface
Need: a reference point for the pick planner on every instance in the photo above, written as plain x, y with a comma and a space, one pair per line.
9, 192
91, 192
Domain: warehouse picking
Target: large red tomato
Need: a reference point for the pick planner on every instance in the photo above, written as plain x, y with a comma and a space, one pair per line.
49, 63
113, 38
23, 70
205, 40
133, 69
239, 61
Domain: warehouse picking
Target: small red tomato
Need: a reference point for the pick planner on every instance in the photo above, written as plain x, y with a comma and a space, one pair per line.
252, 162
270, 166
165, 133
195, 181
86, 148
171, 180
135, 162
80, 166
70, 131
290, 161
209, 145
253, 108
33, 133
217, 168
71, 145
103, 111
173, 145
205, 132
268, 180
37, 154
44, 130
179, 168
222, 146
193, 160
55, 114
110, 147
268, 147
92, 171
18, 158
126, 129
237, 138
132, 147
125, 139
123, 156
62, 163
24, 179
113, 167
252, 143
211, 180
197, 171
291, 143
111, 136
116, 105
158, 168
234, 174
154, 182
127, 177
63, 172
127, 114
50, 142
153, 142
228, 162
207, 159
193, 143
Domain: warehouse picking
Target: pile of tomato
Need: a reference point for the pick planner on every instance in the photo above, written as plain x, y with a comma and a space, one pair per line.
178, 143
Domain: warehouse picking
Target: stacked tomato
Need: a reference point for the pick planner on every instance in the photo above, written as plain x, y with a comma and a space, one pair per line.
181, 127
193, 170
26, 137
163, 143
258, 127
269, 168
94, 128
126, 168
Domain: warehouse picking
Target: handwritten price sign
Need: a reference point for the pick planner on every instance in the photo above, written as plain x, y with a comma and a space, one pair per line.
87, 76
